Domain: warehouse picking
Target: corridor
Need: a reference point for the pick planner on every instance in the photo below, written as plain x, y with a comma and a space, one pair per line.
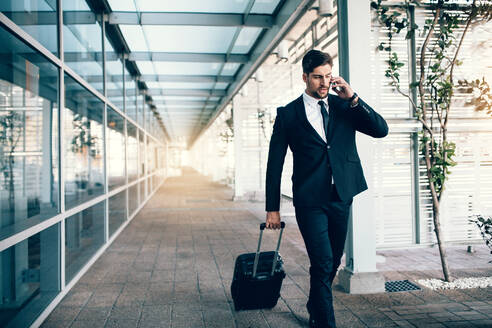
172, 267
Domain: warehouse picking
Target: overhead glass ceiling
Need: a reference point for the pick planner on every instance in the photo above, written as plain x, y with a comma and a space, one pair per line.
215, 6
206, 42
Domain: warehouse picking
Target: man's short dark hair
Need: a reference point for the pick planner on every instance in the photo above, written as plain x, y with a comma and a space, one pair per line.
315, 58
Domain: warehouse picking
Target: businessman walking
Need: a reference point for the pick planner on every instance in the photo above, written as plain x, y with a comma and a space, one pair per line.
320, 130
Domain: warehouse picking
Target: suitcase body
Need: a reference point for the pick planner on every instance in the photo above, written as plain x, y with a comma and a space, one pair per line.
257, 288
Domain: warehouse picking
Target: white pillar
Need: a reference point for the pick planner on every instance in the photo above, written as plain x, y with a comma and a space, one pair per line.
359, 274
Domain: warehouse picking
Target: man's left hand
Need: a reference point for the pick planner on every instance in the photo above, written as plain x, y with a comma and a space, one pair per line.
342, 88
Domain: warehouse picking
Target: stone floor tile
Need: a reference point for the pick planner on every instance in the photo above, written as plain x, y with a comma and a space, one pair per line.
94, 314
172, 266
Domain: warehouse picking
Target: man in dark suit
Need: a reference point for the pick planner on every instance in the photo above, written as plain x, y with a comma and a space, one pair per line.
320, 130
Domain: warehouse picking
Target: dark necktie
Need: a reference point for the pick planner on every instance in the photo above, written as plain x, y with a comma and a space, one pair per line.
324, 113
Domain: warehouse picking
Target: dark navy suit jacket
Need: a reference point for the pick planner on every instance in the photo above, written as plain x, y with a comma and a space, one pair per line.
312, 176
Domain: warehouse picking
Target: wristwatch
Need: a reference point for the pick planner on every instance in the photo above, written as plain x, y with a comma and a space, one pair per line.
352, 99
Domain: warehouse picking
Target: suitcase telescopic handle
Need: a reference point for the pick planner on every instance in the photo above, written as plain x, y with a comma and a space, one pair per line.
257, 255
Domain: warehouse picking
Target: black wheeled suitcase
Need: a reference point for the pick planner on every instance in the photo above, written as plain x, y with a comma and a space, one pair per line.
258, 277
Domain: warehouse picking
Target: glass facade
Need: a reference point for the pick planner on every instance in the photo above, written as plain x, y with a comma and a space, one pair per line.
83, 130
82, 43
36, 17
133, 199
132, 152
30, 277
71, 159
84, 235
117, 212
116, 150
28, 137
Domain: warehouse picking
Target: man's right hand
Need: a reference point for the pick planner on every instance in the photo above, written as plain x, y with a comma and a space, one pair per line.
273, 220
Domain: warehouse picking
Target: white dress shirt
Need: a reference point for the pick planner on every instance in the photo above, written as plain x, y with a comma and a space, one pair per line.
313, 113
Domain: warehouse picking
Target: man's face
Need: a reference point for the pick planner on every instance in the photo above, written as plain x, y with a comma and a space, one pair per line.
318, 81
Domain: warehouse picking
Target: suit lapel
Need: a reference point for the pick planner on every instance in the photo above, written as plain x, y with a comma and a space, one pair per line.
301, 115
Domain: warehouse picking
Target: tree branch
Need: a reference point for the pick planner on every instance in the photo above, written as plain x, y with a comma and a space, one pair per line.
472, 14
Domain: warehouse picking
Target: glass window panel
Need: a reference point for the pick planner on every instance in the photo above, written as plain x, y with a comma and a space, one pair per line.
148, 117
204, 39
247, 37
149, 185
143, 195
37, 17
30, 276
83, 151
116, 150
155, 181
84, 235
141, 149
140, 108
83, 45
264, 6
133, 198
132, 152
220, 6
131, 97
28, 137
117, 211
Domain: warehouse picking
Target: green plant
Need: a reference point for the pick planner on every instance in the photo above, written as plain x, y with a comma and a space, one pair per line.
485, 226
431, 94
82, 138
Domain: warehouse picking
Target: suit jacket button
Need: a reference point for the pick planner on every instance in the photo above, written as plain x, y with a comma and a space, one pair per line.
328, 147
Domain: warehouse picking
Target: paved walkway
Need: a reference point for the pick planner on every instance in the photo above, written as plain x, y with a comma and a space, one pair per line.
173, 264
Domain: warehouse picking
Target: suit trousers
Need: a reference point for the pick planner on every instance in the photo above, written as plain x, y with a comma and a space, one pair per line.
324, 230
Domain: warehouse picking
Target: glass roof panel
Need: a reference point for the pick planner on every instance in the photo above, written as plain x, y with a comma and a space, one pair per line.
205, 39
247, 37
219, 6
230, 69
122, 5
145, 67
221, 85
75, 5
72, 40
134, 37
182, 68
264, 6
180, 85
183, 98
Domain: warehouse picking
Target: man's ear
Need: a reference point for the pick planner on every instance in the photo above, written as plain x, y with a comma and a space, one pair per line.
304, 77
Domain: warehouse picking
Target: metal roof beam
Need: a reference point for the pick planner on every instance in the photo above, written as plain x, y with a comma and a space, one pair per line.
193, 19
172, 92
185, 104
148, 56
23, 18
186, 78
186, 57
154, 78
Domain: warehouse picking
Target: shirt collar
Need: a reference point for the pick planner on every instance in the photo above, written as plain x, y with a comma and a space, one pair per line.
313, 101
